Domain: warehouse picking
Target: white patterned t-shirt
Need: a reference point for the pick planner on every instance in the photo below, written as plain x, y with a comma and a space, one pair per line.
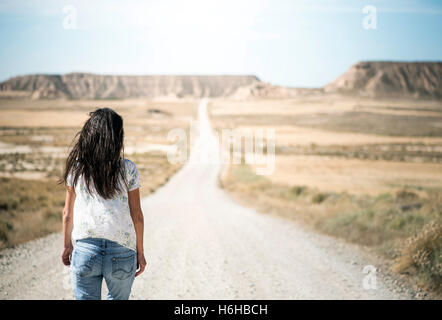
96, 217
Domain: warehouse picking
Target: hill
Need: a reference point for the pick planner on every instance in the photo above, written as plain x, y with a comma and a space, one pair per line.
94, 86
370, 79
391, 79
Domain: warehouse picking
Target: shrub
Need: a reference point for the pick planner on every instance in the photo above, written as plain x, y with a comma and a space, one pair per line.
384, 197
297, 190
5, 227
319, 198
406, 195
423, 253
52, 213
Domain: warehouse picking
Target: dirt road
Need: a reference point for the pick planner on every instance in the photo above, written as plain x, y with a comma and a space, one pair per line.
201, 245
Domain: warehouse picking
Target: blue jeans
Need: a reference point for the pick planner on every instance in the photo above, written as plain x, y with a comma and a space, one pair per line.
94, 259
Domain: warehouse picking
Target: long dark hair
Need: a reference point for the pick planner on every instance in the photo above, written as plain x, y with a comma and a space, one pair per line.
96, 154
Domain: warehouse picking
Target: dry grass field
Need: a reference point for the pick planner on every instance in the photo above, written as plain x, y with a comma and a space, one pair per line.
368, 171
35, 137
335, 174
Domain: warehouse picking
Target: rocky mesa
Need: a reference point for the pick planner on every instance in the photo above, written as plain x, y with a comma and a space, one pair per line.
391, 79
376, 79
94, 86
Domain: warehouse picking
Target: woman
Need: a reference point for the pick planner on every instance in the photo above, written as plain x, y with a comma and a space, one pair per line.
102, 213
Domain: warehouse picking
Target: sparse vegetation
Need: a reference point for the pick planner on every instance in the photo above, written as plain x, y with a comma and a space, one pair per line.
319, 198
28, 209
365, 170
422, 254
349, 121
399, 152
404, 227
298, 190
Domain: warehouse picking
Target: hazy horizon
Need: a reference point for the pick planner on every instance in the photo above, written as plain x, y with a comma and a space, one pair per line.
291, 43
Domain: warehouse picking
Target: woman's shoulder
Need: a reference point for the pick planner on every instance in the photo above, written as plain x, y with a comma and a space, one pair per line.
132, 174
129, 163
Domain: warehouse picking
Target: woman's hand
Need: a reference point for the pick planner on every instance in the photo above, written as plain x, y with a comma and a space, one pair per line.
138, 220
66, 255
141, 261
68, 224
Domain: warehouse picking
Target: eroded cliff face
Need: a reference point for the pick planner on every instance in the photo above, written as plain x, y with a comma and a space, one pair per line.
372, 79
93, 86
391, 79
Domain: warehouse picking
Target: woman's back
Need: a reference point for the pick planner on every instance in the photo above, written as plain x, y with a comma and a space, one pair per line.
96, 217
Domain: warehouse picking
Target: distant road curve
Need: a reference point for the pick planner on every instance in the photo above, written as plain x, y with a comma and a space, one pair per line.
201, 245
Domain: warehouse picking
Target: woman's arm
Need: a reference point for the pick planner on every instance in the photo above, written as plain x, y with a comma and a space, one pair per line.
68, 224
138, 220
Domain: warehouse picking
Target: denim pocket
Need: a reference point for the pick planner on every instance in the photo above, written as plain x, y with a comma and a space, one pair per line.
81, 263
123, 267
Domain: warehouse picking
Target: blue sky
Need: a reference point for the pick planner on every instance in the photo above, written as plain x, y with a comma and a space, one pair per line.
304, 43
